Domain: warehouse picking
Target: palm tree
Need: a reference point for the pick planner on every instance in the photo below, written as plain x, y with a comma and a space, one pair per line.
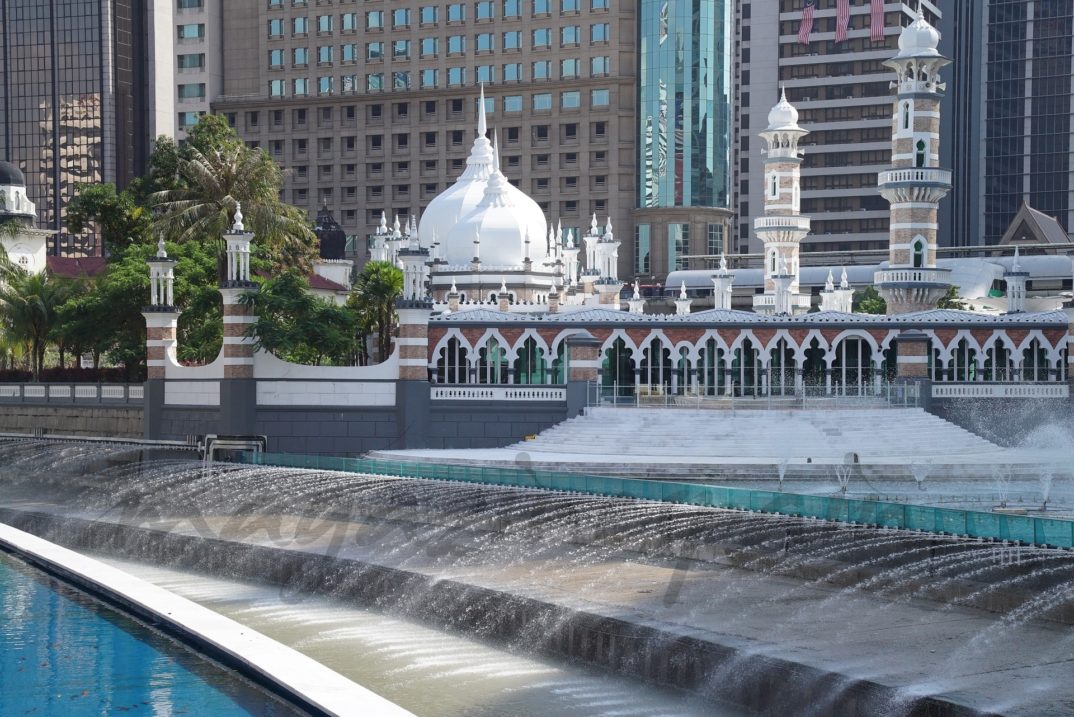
378, 286
29, 305
213, 185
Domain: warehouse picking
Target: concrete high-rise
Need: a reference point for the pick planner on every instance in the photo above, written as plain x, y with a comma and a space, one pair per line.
73, 104
1011, 103
371, 108
841, 90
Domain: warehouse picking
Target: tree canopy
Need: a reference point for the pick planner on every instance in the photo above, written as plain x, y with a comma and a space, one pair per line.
869, 301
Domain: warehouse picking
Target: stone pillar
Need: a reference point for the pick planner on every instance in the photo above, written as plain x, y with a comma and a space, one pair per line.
609, 290
238, 390
913, 349
412, 400
161, 324
583, 366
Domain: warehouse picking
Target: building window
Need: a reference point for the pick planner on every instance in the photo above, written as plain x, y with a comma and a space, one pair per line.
188, 119
324, 85
300, 57
598, 4
599, 66
300, 86
324, 24
276, 88
348, 53
374, 20
430, 46
374, 82
401, 80
542, 7
324, 55
599, 32
599, 98
678, 246
300, 26
348, 21
374, 51
542, 70
275, 59
512, 40
456, 12
456, 44
542, 38
512, 8
512, 103
570, 35
542, 101
715, 240
196, 31
570, 100
194, 91
401, 17
191, 62
512, 72
566, 6
484, 10
485, 42
456, 76
429, 78
401, 50
429, 15
568, 68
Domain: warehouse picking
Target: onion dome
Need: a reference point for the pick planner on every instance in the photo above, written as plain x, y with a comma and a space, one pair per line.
919, 39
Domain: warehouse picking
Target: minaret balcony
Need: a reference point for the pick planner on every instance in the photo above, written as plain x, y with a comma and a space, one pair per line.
915, 177
791, 222
911, 276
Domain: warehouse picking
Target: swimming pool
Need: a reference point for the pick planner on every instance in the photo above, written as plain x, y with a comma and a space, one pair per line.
64, 654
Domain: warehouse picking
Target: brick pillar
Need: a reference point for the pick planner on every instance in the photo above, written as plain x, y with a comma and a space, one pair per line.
583, 362
238, 389
913, 356
161, 323
412, 400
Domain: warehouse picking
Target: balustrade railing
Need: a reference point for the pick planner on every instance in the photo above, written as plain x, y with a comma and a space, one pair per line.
105, 393
1000, 390
480, 392
916, 175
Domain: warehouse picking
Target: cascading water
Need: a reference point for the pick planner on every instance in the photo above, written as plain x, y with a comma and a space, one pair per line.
849, 605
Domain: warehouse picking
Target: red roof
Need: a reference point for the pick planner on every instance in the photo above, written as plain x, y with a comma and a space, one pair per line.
76, 267
319, 282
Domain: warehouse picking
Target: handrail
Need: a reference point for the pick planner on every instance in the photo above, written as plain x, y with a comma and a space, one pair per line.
1030, 530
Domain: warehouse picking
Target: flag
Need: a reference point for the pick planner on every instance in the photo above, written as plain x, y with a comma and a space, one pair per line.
805, 29
842, 20
876, 21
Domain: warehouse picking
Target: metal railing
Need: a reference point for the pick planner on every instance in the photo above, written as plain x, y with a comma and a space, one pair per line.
1000, 390
471, 392
102, 393
1030, 530
742, 396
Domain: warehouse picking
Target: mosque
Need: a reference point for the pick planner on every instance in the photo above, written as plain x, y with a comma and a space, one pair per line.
508, 325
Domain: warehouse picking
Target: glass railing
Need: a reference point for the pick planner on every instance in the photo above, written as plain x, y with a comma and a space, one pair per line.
1026, 529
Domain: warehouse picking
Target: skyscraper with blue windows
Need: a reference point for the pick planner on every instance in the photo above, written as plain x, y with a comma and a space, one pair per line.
683, 124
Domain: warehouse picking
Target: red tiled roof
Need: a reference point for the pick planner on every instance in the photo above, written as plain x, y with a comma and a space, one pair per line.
319, 282
76, 267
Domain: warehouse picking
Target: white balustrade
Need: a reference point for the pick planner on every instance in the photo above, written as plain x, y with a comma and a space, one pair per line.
915, 276
498, 393
780, 222
916, 175
1000, 390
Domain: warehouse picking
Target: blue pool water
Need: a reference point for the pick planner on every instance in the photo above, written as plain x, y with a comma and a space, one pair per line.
64, 654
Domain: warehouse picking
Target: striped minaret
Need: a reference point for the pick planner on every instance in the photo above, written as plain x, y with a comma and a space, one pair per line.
161, 323
782, 228
238, 347
914, 185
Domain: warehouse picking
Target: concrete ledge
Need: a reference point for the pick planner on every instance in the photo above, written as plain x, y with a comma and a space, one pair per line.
296, 677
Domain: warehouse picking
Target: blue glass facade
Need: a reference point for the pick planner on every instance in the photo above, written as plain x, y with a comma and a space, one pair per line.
684, 108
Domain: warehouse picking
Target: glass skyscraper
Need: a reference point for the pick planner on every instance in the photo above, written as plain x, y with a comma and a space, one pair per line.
72, 100
684, 118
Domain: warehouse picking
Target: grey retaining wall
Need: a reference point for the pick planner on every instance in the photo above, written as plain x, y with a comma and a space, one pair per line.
73, 420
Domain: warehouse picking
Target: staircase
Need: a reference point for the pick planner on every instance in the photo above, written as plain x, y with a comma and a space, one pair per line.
823, 436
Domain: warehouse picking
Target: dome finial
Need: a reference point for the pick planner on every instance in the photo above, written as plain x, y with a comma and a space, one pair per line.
682, 291
482, 123
637, 290
844, 281
495, 151
237, 225
162, 253
829, 285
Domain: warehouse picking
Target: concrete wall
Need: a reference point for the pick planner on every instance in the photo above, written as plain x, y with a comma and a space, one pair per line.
116, 422
338, 432
489, 424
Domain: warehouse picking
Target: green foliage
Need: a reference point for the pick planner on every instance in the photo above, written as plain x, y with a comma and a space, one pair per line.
300, 327
30, 306
951, 300
106, 318
120, 218
373, 297
869, 301
215, 172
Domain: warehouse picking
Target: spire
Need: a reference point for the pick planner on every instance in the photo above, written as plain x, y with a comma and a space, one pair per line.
1015, 266
526, 241
237, 226
551, 239
723, 262
162, 253
637, 290
495, 151
454, 289
482, 123
503, 286
593, 225
383, 228
829, 285
682, 291
844, 282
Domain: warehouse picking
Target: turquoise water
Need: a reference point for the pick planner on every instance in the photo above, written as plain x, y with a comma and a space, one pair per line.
64, 654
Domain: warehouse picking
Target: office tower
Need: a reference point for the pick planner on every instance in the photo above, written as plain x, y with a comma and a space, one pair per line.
72, 101
1013, 107
371, 107
841, 90
683, 122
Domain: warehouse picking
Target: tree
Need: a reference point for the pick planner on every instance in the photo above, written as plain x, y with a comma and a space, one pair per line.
951, 300
373, 297
30, 304
300, 327
869, 301
120, 218
216, 173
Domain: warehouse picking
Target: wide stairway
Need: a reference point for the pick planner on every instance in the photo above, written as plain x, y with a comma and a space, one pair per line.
795, 435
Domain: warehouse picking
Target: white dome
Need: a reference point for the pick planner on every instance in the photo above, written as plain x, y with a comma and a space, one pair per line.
461, 198
502, 221
783, 115
919, 39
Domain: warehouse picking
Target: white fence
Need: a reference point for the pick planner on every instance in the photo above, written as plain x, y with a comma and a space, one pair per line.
498, 393
1000, 390
106, 393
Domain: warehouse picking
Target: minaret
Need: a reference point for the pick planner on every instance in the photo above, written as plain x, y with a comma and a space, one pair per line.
1016, 280
682, 304
782, 227
722, 281
637, 304
914, 185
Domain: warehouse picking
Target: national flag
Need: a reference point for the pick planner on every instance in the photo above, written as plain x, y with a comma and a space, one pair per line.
842, 20
805, 29
876, 21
